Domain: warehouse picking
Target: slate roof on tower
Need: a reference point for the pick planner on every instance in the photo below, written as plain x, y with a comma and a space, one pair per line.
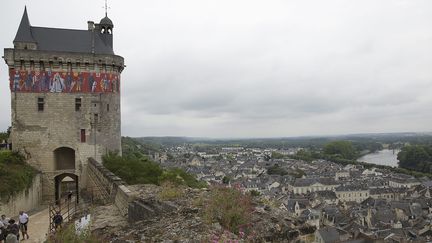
64, 40
24, 33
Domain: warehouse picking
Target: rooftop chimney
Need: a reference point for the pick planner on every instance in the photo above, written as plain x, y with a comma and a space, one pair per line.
90, 25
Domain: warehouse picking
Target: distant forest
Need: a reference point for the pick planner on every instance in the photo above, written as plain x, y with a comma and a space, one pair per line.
416, 157
394, 140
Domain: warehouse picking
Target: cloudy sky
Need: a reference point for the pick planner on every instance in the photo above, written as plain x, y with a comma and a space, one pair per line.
256, 68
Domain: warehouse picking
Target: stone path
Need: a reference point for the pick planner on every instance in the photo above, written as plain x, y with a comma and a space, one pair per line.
38, 227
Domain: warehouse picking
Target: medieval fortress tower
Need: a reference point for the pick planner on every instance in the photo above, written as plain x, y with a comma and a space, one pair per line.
65, 97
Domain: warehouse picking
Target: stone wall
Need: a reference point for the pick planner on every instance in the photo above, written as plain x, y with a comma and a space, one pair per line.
122, 199
104, 186
142, 209
38, 133
25, 200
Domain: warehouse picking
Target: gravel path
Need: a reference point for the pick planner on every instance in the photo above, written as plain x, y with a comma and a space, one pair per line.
38, 227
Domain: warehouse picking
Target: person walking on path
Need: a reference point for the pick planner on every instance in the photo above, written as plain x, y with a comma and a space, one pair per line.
23, 221
69, 196
58, 220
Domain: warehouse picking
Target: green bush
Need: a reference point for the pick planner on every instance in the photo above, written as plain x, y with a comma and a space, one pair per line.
276, 170
15, 174
133, 170
170, 191
178, 176
230, 207
254, 193
140, 170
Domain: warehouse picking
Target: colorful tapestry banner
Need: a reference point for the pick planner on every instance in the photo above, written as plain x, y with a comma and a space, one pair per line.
63, 82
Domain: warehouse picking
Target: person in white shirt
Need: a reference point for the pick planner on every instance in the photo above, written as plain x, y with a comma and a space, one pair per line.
23, 221
4, 220
2, 231
4, 223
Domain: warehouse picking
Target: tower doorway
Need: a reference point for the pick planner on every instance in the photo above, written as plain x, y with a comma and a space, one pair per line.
64, 184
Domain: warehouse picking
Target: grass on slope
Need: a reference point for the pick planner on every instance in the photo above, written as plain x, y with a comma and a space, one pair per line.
15, 174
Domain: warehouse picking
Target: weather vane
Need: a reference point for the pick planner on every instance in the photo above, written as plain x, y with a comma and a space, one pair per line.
106, 8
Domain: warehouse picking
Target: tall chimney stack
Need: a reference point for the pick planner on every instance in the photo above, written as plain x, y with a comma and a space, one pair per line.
90, 25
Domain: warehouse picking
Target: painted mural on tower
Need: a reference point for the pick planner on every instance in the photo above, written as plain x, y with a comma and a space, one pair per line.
63, 82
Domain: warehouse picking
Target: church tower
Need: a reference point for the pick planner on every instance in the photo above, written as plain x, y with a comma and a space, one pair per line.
65, 97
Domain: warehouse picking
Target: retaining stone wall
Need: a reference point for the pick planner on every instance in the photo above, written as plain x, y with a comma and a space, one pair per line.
25, 200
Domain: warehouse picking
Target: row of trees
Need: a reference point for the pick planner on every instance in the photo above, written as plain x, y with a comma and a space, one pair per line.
411, 158
5, 135
339, 151
416, 157
342, 149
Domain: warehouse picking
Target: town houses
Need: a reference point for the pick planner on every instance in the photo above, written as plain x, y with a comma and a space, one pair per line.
348, 203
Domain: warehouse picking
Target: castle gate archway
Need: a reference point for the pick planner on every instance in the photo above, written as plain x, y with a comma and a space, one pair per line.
65, 179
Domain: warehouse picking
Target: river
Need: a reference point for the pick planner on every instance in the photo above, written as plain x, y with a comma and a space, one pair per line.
382, 157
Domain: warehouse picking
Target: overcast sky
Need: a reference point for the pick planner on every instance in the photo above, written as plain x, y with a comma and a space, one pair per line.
256, 68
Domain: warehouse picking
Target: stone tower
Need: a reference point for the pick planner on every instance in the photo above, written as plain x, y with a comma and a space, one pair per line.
65, 91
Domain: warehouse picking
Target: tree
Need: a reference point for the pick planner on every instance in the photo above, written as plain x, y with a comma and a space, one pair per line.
255, 193
276, 170
305, 155
5, 135
276, 155
344, 149
416, 157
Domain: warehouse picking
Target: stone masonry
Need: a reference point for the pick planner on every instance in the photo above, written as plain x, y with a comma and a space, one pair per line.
55, 122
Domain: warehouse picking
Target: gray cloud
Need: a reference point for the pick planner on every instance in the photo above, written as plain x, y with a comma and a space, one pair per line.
253, 68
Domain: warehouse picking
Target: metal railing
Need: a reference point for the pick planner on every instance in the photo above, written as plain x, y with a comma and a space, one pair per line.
70, 209
66, 206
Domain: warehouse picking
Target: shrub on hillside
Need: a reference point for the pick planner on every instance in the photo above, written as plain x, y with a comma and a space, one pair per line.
230, 207
15, 174
180, 177
140, 170
133, 170
170, 191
